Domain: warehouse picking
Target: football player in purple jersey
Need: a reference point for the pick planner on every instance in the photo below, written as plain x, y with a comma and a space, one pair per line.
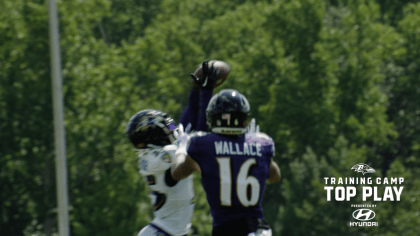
235, 165
153, 133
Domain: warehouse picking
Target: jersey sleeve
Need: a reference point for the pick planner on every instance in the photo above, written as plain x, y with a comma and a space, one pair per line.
190, 114
206, 95
267, 143
194, 148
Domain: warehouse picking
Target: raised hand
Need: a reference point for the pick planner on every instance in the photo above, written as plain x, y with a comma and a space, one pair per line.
253, 127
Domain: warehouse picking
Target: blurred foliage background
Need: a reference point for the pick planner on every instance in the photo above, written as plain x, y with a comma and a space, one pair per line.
334, 82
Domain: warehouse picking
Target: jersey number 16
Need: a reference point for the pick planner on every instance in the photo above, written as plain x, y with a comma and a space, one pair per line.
243, 181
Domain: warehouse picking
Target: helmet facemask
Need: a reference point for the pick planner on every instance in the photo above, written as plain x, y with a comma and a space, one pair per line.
233, 123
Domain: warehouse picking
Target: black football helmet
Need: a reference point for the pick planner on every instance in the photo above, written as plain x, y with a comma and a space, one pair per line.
227, 113
151, 127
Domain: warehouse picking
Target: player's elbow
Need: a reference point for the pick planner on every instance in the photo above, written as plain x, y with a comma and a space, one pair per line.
176, 173
182, 169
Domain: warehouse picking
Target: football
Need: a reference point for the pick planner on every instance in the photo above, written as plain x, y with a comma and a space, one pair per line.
220, 65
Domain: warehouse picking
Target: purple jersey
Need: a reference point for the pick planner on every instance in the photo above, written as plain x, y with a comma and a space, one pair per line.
234, 172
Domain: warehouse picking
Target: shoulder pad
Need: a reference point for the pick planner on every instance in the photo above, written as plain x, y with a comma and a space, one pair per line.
158, 159
263, 136
168, 153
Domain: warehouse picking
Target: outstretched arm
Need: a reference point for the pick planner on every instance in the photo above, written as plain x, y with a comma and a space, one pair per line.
195, 114
206, 95
182, 166
190, 114
207, 81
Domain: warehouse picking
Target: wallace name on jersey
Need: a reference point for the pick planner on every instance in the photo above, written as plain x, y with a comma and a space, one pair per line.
229, 148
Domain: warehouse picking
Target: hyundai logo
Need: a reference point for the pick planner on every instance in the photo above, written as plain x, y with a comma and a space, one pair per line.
363, 214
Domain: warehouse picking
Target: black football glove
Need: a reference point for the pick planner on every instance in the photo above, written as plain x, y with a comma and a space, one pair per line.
208, 76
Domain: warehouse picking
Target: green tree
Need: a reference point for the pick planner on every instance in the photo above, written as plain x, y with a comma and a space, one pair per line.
333, 82
26, 147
